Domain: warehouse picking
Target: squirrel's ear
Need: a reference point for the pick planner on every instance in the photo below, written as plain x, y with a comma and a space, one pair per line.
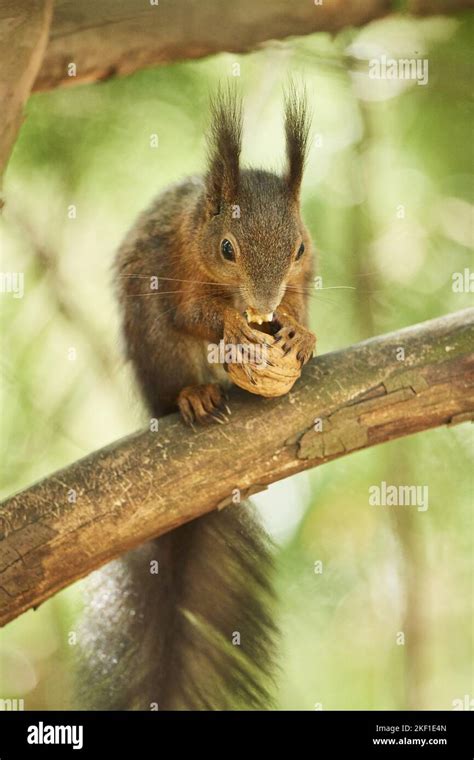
297, 127
224, 144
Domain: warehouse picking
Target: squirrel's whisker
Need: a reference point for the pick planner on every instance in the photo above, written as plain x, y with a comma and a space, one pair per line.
177, 279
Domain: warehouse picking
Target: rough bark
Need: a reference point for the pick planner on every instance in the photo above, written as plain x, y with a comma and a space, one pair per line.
79, 518
24, 28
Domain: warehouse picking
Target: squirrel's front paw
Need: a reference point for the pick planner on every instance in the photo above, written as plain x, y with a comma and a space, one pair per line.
294, 337
202, 404
238, 332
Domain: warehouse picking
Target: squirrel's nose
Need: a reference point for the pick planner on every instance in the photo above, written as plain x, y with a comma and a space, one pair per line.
263, 301
264, 305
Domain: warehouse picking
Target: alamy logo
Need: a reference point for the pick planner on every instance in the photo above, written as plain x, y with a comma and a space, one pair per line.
386, 495
238, 353
463, 282
12, 282
7, 704
46, 734
400, 68
466, 703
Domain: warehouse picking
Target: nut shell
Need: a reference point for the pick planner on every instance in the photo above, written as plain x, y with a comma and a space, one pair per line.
271, 378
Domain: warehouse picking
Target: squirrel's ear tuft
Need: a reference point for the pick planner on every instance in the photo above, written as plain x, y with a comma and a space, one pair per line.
224, 143
297, 128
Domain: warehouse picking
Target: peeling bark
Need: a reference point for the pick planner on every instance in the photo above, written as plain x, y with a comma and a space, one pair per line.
72, 522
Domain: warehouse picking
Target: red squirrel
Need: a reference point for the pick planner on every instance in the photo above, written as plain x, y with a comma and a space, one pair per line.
200, 633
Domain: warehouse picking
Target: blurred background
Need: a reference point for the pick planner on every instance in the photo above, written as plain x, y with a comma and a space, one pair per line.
375, 602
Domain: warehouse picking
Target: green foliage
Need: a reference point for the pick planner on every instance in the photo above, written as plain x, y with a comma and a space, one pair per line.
386, 197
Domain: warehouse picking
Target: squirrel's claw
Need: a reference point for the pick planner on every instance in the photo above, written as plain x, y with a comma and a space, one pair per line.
296, 338
201, 404
237, 330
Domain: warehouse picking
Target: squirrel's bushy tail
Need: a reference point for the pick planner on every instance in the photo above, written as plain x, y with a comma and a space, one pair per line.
198, 634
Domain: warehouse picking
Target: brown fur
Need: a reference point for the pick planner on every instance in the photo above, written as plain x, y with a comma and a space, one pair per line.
168, 638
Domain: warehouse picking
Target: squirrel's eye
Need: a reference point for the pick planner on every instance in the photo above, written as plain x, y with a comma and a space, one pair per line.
300, 251
227, 250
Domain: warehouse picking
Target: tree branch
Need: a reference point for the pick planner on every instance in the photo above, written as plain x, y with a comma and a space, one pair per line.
99, 507
110, 38
24, 28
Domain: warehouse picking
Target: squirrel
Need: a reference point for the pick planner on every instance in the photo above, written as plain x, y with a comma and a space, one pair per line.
220, 244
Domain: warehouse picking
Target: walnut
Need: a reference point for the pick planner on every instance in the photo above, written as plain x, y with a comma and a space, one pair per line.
270, 372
